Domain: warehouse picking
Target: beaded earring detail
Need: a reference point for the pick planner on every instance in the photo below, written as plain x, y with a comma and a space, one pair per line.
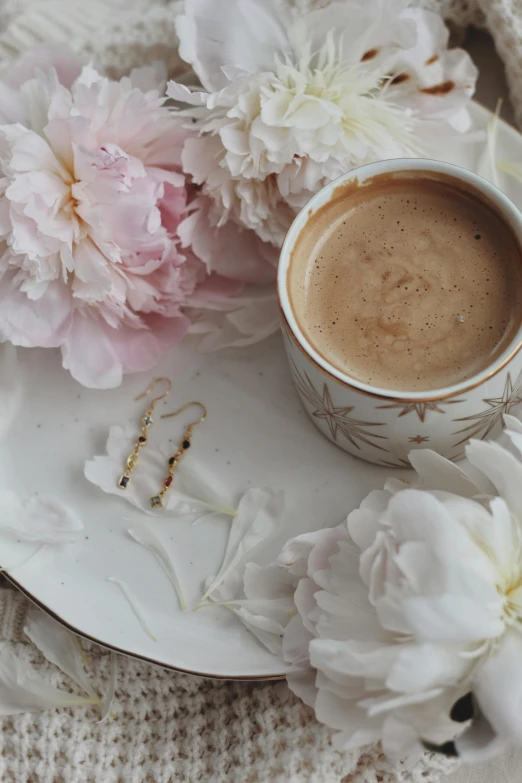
157, 500
146, 421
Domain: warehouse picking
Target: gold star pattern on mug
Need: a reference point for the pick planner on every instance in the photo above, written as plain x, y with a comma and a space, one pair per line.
482, 423
401, 463
337, 419
456, 457
419, 439
420, 408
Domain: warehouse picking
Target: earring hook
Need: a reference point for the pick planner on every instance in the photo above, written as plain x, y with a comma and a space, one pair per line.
150, 388
186, 407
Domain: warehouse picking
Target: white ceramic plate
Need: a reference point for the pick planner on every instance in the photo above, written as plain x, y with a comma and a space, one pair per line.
256, 434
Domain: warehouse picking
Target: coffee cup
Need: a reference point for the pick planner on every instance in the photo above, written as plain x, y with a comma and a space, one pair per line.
373, 422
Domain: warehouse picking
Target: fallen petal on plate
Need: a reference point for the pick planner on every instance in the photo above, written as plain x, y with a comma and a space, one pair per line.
38, 518
133, 603
151, 541
259, 518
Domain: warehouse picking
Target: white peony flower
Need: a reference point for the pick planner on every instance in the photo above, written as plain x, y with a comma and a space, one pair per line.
409, 618
293, 101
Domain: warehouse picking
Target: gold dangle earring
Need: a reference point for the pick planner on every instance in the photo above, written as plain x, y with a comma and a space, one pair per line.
184, 444
146, 421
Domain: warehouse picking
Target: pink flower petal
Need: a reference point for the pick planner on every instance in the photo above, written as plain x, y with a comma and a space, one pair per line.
230, 250
43, 322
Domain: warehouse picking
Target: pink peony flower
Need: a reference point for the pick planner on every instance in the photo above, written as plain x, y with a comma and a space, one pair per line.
91, 197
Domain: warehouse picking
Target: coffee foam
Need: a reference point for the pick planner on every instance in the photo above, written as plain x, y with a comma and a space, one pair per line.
408, 283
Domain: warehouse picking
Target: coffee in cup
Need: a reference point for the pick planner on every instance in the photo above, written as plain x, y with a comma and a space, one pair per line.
410, 283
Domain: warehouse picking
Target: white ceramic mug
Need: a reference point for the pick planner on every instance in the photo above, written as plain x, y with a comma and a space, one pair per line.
380, 425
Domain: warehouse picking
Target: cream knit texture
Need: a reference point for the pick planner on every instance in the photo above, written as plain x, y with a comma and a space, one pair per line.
117, 35
172, 728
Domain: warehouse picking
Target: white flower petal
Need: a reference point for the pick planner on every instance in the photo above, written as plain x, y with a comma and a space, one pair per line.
512, 423
349, 718
498, 688
501, 538
305, 603
182, 93
501, 468
358, 27
438, 473
300, 675
451, 618
341, 659
513, 437
296, 551
400, 740
267, 629
416, 515
60, 647
441, 82
423, 666
38, 518
382, 704
22, 689
480, 743
326, 548
270, 581
267, 606
133, 603
363, 523
243, 33
151, 541
108, 699
259, 516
